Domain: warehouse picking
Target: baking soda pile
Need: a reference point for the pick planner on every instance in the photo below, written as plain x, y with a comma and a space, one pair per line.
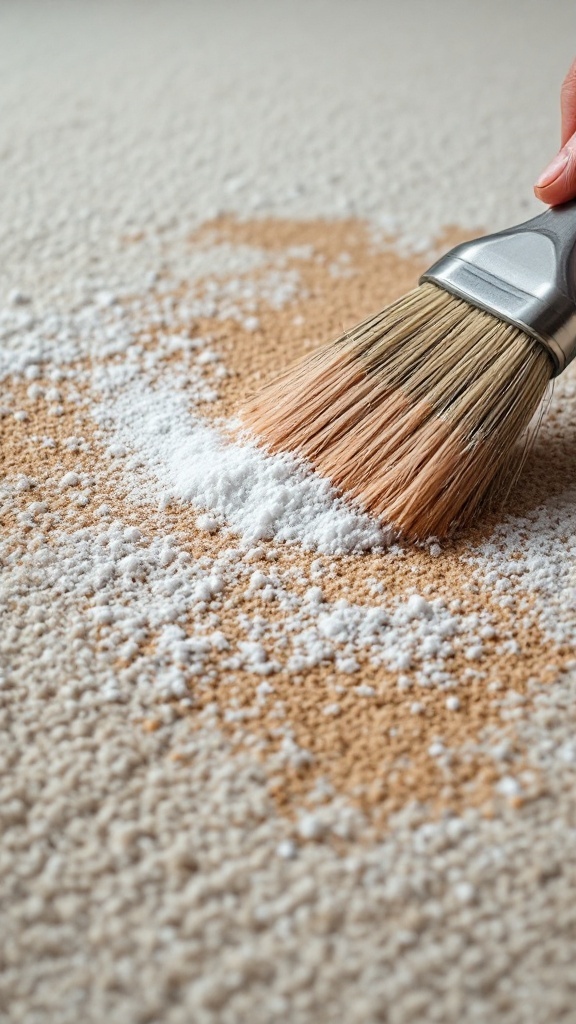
260, 496
261, 761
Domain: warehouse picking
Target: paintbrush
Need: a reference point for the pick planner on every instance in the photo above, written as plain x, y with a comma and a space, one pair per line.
416, 411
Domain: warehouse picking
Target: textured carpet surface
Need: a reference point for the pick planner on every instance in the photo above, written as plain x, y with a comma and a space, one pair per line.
260, 762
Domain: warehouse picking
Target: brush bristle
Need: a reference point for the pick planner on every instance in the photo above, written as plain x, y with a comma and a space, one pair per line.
414, 412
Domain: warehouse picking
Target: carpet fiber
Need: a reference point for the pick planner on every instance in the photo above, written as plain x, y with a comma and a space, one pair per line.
260, 760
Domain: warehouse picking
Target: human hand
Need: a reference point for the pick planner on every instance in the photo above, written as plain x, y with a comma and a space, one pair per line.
557, 183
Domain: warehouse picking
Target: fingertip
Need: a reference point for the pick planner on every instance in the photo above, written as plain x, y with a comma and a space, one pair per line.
546, 194
557, 183
554, 170
552, 195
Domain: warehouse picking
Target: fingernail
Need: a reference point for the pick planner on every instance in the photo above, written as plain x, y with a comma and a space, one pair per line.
554, 169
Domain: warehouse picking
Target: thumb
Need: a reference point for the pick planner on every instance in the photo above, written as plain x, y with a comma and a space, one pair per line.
557, 183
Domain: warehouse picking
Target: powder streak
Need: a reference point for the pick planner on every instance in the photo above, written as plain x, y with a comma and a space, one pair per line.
260, 496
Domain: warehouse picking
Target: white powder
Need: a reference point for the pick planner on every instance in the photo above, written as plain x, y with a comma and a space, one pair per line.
529, 561
260, 496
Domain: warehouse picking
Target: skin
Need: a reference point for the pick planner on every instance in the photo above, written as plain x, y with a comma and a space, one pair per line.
557, 183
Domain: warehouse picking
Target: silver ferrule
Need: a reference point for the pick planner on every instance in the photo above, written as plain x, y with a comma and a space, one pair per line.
525, 276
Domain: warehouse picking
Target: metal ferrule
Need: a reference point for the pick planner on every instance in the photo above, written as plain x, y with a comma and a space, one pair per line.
525, 276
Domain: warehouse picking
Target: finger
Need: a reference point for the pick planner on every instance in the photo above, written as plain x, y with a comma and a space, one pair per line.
568, 104
557, 184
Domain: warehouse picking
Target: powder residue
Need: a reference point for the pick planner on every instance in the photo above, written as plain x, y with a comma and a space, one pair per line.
238, 585
261, 496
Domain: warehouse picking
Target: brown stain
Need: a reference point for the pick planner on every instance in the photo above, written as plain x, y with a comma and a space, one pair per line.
376, 750
371, 278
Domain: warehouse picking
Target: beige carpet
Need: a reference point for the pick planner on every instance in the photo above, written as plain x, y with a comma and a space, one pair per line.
260, 761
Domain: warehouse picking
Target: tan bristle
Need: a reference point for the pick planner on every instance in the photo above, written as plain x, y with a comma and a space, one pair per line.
414, 412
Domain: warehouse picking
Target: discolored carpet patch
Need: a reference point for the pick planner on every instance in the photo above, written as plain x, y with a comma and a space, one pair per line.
421, 705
